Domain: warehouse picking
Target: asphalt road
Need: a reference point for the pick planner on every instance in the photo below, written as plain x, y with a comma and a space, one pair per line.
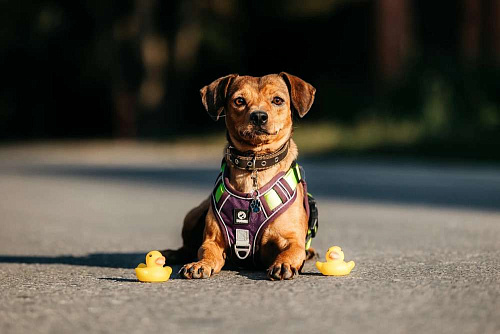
75, 221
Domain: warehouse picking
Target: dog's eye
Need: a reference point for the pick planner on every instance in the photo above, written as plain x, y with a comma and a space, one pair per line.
239, 101
278, 100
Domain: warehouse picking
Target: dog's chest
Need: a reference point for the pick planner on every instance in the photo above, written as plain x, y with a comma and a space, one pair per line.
243, 216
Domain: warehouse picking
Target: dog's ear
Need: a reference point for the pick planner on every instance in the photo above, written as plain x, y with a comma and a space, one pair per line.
301, 93
213, 96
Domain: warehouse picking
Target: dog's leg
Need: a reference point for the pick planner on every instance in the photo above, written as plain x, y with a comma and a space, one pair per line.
283, 250
289, 262
211, 254
192, 236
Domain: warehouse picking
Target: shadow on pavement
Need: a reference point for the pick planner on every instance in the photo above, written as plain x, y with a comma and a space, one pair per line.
110, 260
118, 279
440, 186
311, 274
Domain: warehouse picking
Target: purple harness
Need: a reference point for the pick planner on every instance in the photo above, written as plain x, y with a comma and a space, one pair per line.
243, 216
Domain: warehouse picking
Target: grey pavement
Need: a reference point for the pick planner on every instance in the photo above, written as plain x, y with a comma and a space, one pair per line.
75, 219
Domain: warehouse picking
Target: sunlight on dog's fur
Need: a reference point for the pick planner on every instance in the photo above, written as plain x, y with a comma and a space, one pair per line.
258, 117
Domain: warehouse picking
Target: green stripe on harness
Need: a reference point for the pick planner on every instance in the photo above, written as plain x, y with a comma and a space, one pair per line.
272, 198
220, 190
293, 177
220, 187
308, 239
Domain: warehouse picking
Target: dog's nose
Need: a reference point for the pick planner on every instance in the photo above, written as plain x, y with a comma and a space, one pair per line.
258, 117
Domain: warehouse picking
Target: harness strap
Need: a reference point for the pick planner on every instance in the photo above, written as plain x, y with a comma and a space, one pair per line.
313, 220
242, 226
275, 196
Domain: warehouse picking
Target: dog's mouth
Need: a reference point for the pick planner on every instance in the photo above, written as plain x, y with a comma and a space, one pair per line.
256, 131
262, 131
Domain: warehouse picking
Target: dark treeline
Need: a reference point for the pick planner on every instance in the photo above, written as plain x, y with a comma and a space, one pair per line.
133, 68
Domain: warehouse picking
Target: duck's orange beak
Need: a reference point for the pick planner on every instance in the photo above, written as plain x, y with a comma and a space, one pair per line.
160, 261
334, 255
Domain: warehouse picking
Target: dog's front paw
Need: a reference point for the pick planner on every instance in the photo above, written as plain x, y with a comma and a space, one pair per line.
196, 270
281, 271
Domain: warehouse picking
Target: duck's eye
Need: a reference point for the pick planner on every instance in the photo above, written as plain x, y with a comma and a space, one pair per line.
150, 255
278, 100
239, 101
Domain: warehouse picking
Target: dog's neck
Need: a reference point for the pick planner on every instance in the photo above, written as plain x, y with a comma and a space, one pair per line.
242, 179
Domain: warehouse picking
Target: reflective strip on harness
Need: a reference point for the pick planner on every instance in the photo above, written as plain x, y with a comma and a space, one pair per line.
220, 190
272, 198
292, 177
308, 239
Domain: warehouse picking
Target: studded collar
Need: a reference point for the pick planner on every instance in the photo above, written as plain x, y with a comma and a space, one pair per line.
250, 161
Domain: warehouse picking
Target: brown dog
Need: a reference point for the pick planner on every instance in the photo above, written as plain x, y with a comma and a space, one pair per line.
258, 114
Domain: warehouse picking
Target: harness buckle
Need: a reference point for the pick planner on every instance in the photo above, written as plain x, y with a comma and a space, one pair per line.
242, 246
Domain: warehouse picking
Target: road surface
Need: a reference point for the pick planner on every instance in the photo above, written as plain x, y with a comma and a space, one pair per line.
75, 219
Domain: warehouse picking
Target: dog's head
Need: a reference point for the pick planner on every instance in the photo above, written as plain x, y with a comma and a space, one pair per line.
258, 110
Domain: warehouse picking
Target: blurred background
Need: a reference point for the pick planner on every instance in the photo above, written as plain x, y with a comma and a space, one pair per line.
393, 76
105, 146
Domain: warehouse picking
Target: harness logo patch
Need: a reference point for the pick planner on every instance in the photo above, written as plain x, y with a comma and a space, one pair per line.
240, 216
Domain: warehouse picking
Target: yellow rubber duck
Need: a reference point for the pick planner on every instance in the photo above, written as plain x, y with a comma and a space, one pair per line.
153, 270
335, 265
